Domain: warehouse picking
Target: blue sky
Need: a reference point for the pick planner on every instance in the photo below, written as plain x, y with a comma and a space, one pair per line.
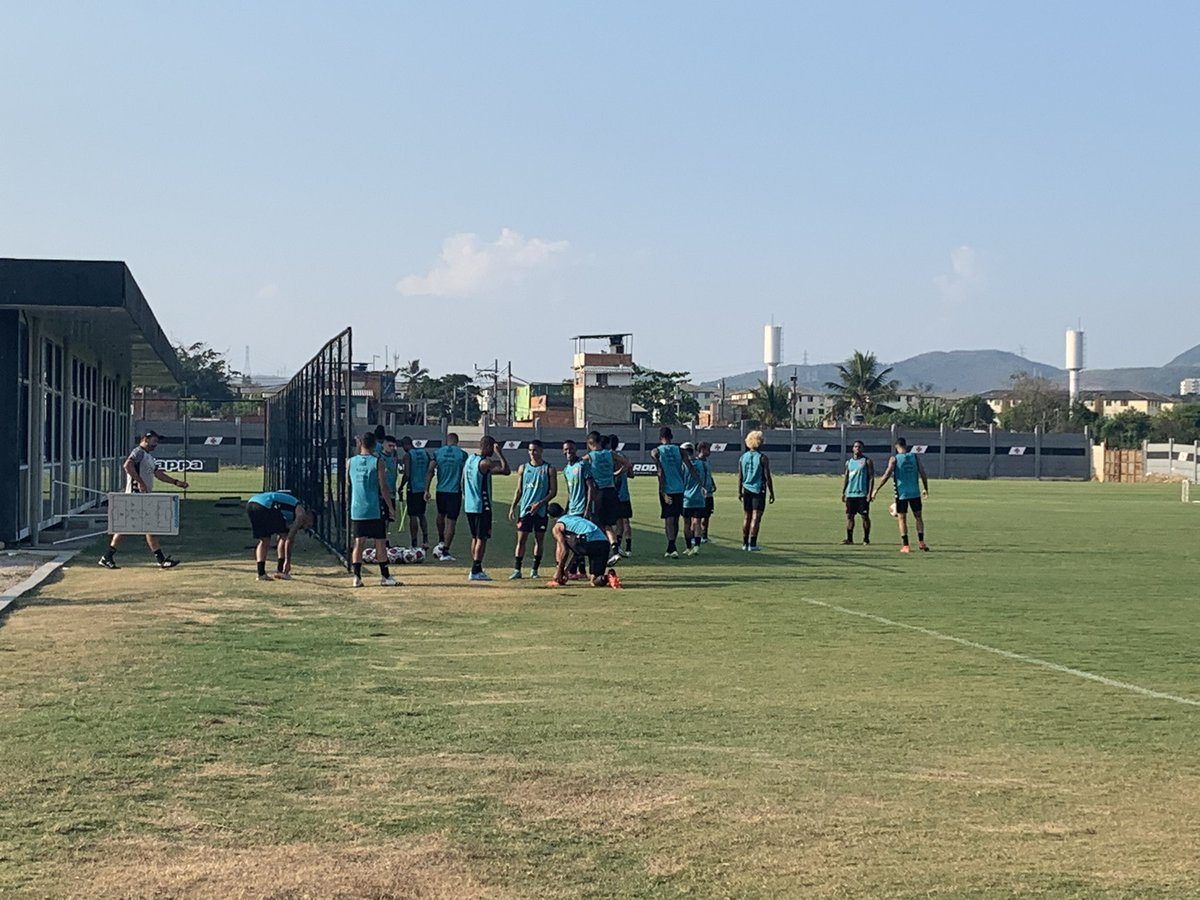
461, 182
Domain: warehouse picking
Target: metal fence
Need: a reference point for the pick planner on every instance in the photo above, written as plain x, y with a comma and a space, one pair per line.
308, 436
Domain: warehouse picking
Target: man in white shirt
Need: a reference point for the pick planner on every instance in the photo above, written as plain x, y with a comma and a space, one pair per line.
141, 468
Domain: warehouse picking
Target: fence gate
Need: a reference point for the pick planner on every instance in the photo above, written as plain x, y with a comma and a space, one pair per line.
1124, 465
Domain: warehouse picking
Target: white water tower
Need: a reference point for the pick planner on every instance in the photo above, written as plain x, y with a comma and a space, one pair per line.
1074, 362
772, 350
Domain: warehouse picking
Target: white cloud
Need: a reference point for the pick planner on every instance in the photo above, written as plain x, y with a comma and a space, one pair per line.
964, 274
468, 267
268, 291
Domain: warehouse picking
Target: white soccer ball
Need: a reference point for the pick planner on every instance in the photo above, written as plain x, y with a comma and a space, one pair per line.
395, 555
418, 554
369, 555
892, 511
410, 555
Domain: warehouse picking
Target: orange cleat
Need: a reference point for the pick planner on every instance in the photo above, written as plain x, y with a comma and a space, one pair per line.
614, 580
905, 549
554, 582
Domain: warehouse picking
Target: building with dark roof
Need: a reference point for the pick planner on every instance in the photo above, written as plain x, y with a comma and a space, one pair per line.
75, 337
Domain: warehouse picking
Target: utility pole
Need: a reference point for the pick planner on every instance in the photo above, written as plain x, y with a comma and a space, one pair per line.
509, 396
721, 408
793, 418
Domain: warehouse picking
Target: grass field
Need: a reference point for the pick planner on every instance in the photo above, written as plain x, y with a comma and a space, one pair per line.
710, 730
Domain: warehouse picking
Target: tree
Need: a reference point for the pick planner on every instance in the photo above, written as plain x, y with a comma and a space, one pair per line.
863, 389
927, 412
414, 376
663, 396
1036, 403
770, 406
445, 395
1127, 429
1180, 423
205, 373
970, 412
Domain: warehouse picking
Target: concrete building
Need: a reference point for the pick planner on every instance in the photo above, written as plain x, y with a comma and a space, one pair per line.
75, 337
603, 381
1109, 403
1189, 386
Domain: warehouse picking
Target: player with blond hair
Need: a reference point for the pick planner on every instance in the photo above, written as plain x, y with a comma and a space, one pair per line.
755, 489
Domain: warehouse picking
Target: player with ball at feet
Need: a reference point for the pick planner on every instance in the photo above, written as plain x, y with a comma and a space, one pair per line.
912, 486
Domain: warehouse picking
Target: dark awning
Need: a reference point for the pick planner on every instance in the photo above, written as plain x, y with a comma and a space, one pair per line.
103, 293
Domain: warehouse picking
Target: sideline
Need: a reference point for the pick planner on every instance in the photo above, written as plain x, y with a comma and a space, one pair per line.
1008, 654
40, 574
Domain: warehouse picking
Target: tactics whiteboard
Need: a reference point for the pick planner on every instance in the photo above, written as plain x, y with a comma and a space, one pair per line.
143, 514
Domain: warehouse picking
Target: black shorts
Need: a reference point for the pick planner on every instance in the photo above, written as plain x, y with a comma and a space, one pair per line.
752, 502
608, 508
624, 509
265, 522
480, 524
449, 504
595, 551
708, 506
858, 506
533, 524
416, 503
913, 503
375, 529
672, 510
694, 512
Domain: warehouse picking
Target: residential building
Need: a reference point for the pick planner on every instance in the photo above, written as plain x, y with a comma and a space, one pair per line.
1189, 386
603, 382
1109, 403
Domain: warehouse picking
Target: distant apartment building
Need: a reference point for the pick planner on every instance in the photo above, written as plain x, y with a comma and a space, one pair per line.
1109, 403
1189, 386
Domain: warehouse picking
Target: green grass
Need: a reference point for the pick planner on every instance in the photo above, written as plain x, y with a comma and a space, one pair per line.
704, 731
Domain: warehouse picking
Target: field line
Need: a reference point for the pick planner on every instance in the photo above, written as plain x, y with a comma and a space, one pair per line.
1007, 654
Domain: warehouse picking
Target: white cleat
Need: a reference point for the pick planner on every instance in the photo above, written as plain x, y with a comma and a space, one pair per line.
388, 582
446, 557
358, 582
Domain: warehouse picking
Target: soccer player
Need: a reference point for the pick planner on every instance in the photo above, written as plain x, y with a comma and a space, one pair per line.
604, 468
537, 485
856, 491
580, 492
477, 499
280, 516
671, 464
912, 486
141, 469
367, 480
754, 486
575, 537
623, 529
703, 452
416, 479
695, 499
385, 449
447, 464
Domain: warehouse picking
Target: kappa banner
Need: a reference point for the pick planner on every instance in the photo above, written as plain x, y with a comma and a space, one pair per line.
189, 465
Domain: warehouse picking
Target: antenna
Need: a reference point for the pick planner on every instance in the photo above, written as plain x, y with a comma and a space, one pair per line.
246, 367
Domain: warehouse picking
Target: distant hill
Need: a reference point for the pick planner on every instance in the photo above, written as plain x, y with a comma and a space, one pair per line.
1187, 358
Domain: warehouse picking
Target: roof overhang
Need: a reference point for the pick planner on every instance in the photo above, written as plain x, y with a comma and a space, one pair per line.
95, 291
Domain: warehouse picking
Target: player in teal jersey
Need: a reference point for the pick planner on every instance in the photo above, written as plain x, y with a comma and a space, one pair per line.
623, 529
367, 481
577, 538
604, 466
280, 516
703, 452
385, 449
537, 485
912, 486
447, 465
695, 499
581, 491
477, 499
412, 488
856, 491
755, 485
671, 464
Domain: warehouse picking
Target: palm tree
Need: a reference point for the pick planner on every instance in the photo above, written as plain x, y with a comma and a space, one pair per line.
863, 388
770, 405
414, 375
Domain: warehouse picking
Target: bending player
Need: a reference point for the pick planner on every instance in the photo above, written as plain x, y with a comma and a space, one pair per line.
537, 485
277, 516
856, 491
574, 537
447, 464
367, 481
477, 499
754, 486
911, 486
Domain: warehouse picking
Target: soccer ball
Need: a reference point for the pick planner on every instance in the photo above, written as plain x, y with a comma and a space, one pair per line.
418, 554
439, 551
410, 555
395, 554
369, 555
892, 511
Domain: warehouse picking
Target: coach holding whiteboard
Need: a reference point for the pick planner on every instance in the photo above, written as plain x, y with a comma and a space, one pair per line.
141, 468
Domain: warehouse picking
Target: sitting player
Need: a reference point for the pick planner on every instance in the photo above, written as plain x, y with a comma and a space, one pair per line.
577, 536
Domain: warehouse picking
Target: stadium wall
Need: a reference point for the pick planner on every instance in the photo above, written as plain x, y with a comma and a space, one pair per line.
233, 443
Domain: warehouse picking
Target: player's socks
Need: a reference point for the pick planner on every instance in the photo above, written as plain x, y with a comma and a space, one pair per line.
537, 564
904, 539
754, 540
108, 554
160, 556
476, 567
849, 535
262, 568
357, 567
278, 565
628, 544
384, 570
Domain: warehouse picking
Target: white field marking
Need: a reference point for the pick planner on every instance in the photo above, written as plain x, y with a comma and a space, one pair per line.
1008, 654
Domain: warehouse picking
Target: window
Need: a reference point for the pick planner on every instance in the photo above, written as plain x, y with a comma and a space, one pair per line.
601, 379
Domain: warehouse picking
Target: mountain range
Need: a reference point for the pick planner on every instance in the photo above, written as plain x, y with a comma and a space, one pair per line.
976, 371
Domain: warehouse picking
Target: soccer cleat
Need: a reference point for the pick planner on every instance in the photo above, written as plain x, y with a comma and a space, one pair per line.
847, 542
614, 559
106, 563
168, 563
695, 551
614, 580
533, 573
446, 557
479, 576
704, 540
745, 547
357, 582
283, 576
263, 577
905, 549
923, 546
624, 554
515, 576
671, 554
554, 582
754, 548
866, 540
388, 582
